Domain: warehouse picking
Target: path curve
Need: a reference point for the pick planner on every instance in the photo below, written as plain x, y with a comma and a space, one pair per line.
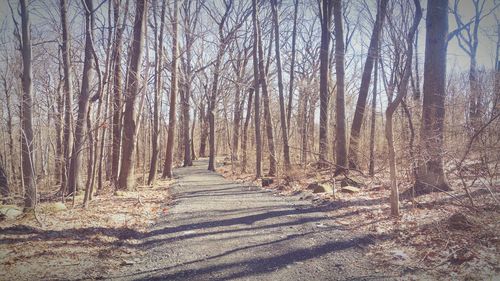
217, 229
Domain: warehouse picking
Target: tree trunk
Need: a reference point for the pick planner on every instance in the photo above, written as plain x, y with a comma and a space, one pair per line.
341, 135
157, 96
365, 85
431, 175
167, 170
292, 64
4, 184
326, 23
117, 93
267, 111
204, 130
28, 166
371, 168
245, 131
68, 98
284, 130
126, 178
10, 132
212, 107
256, 80
188, 161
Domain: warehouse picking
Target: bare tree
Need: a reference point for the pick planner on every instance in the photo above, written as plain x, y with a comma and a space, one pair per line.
326, 10
431, 176
167, 169
284, 130
267, 110
468, 41
393, 104
68, 96
341, 135
126, 178
158, 92
117, 90
256, 84
28, 166
365, 85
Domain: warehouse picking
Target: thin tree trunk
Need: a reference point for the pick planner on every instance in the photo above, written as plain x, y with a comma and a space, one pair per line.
117, 92
326, 23
167, 170
371, 168
245, 131
68, 97
258, 138
341, 135
10, 132
292, 64
157, 96
267, 111
126, 178
284, 130
365, 85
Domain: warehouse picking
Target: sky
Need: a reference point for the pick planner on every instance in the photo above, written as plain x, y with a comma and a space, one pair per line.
457, 58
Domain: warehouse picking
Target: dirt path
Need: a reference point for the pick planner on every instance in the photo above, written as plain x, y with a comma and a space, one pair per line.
221, 230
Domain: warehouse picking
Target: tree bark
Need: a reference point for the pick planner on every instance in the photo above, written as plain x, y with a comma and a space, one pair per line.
267, 111
167, 170
256, 82
431, 175
292, 64
28, 166
245, 131
68, 97
284, 130
365, 85
157, 96
341, 135
371, 168
4, 184
326, 23
126, 177
117, 92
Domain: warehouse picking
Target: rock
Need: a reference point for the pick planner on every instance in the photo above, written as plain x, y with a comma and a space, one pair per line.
350, 189
10, 212
267, 181
351, 182
312, 186
323, 188
399, 255
54, 207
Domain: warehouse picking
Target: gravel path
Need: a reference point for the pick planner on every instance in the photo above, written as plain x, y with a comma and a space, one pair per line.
220, 230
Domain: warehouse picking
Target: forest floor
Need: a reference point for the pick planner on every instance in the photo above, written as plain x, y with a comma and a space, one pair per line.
205, 227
